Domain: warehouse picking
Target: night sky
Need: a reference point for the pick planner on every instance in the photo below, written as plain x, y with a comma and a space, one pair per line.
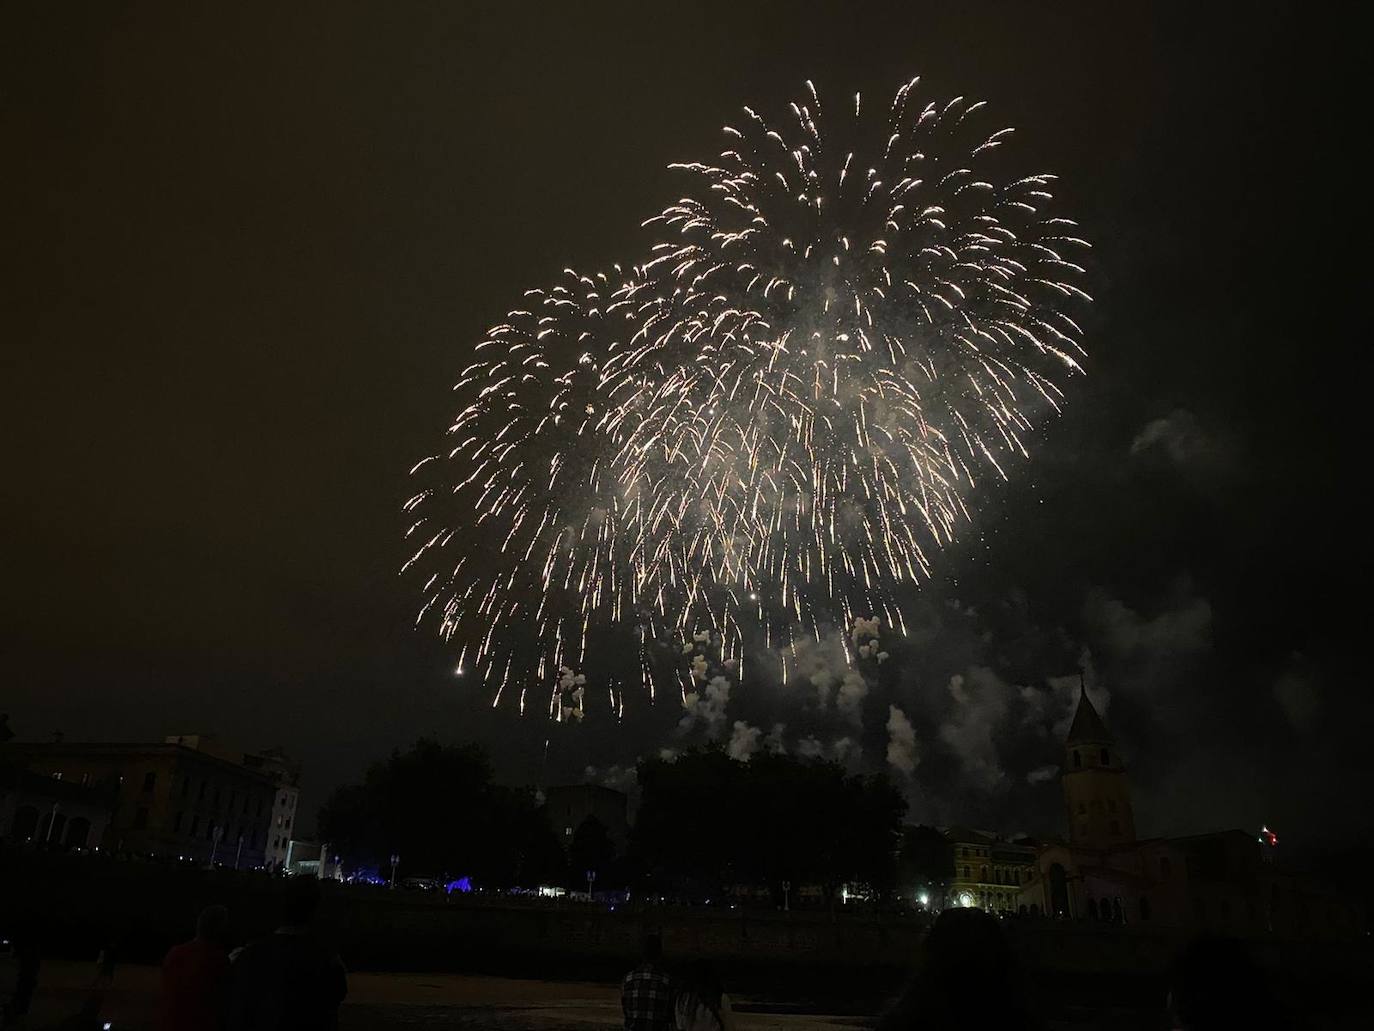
247, 252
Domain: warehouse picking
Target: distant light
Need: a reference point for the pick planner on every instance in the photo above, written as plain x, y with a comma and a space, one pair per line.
923, 899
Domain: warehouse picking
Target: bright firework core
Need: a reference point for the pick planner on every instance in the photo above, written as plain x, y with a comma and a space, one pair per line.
768, 424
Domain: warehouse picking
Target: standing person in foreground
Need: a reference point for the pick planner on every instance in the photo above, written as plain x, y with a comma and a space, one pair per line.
702, 1005
290, 980
966, 976
195, 976
647, 994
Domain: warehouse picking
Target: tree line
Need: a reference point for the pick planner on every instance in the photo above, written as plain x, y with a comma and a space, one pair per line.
705, 823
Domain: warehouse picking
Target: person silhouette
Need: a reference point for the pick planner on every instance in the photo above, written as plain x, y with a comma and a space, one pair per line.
1215, 983
966, 977
290, 980
195, 976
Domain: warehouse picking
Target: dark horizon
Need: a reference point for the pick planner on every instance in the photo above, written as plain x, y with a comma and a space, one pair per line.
252, 251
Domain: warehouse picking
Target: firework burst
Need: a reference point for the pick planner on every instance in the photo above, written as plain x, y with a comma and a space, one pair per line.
771, 423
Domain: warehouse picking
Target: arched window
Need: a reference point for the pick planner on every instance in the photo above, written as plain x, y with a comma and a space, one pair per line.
78, 830
1059, 890
25, 822
1077, 760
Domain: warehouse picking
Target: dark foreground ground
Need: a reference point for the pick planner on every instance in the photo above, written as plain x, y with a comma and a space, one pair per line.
395, 1002
401, 1001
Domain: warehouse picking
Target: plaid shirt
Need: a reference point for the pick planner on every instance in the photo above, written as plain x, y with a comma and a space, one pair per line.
647, 998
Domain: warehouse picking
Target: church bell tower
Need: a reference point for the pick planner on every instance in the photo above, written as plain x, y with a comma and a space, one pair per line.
1096, 792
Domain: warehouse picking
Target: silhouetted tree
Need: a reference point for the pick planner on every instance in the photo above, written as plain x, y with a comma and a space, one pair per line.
436, 806
706, 821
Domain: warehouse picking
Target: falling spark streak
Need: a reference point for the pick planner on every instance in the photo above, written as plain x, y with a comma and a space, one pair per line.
772, 422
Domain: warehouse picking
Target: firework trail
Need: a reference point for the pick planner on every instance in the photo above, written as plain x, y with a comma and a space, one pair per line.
769, 424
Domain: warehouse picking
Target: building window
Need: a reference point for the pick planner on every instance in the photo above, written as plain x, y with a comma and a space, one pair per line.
195, 826
1082, 808
1105, 761
185, 787
1166, 868
1144, 908
1116, 827
176, 823
1111, 805
140, 818
1077, 760
201, 793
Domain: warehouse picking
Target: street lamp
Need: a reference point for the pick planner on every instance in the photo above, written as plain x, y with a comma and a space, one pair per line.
395, 858
786, 896
591, 879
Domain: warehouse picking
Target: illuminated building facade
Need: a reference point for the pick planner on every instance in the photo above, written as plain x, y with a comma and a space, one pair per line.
988, 872
52, 813
1225, 882
187, 797
282, 823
